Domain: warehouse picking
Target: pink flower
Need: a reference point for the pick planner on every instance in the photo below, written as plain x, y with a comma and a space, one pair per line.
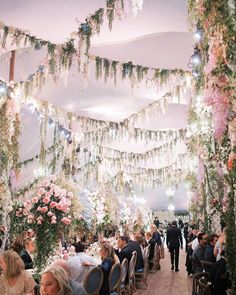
41, 191
53, 221
44, 209
53, 204
50, 213
66, 221
35, 200
46, 200
48, 194
54, 217
70, 195
25, 212
59, 206
39, 222
39, 208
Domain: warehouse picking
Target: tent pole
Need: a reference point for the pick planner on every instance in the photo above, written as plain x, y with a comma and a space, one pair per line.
12, 65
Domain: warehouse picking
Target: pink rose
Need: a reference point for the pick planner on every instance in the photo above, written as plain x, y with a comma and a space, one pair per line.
70, 195
48, 194
39, 208
41, 191
44, 209
66, 221
59, 207
50, 213
53, 204
46, 200
53, 221
25, 212
54, 217
39, 222
35, 200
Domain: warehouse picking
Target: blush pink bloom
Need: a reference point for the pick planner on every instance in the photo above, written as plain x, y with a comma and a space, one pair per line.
53, 204
35, 200
41, 191
39, 209
46, 200
66, 221
25, 212
44, 209
39, 222
59, 207
50, 213
48, 194
70, 195
54, 217
56, 193
53, 221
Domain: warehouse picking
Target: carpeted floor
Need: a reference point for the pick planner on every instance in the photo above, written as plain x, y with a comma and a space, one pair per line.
167, 282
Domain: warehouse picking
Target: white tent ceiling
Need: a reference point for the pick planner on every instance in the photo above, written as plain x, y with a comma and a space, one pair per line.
158, 37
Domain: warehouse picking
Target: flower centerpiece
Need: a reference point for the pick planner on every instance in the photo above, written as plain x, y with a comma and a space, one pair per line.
49, 216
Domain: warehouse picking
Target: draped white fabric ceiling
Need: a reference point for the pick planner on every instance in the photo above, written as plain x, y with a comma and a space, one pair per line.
158, 37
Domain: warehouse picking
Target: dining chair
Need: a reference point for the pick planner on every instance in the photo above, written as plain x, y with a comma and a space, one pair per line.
93, 281
130, 286
115, 279
124, 270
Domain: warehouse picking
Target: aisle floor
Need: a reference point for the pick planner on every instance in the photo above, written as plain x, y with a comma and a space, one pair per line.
167, 282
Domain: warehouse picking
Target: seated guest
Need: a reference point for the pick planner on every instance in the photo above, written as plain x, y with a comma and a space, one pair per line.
152, 244
54, 281
123, 251
140, 239
80, 264
107, 263
18, 244
14, 280
218, 276
25, 254
77, 288
134, 246
209, 252
198, 253
220, 244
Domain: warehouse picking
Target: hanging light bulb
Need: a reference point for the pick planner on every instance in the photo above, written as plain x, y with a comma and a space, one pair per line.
198, 35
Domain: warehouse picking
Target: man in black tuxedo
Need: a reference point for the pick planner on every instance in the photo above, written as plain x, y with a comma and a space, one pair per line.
26, 252
174, 241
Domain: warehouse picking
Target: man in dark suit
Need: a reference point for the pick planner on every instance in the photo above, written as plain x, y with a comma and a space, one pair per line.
174, 241
135, 246
25, 253
124, 251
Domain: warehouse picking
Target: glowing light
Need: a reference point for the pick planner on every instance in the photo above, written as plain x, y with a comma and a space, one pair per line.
170, 192
3, 89
198, 35
171, 207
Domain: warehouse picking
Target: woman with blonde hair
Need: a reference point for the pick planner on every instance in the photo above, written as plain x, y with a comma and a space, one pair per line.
106, 253
15, 280
54, 281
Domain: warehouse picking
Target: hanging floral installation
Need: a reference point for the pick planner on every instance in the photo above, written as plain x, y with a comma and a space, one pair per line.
213, 65
136, 73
